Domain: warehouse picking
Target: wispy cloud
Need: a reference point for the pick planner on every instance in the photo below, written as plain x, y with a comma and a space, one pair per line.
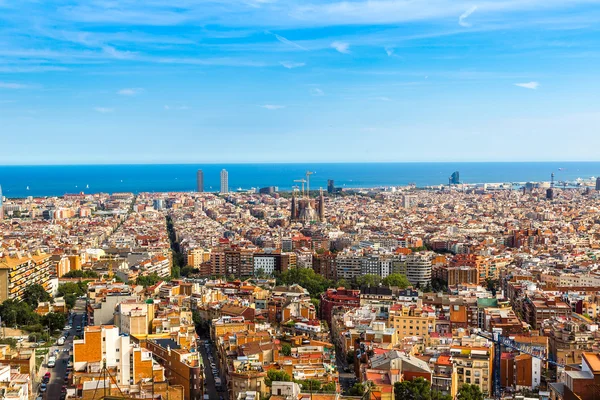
118, 54
168, 107
292, 65
289, 42
462, 20
272, 106
12, 85
342, 47
317, 92
389, 51
130, 91
528, 85
104, 110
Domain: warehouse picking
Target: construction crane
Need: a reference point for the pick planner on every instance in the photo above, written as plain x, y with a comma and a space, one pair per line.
500, 341
308, 174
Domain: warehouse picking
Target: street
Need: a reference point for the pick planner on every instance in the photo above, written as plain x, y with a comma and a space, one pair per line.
209, 381
58, 373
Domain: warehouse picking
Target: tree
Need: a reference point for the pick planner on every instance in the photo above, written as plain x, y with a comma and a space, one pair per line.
469, 392
397, 280
75, 288
286, 349
367, 280
358, 389
417, 389
277, 375
35, 294
350, 357
187, 270
70, 300
54, 321
329, 387
15, 312
147, 280
78, 273
307, 278
310, 385
342, 283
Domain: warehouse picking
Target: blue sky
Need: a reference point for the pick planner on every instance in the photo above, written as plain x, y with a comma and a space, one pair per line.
177, 81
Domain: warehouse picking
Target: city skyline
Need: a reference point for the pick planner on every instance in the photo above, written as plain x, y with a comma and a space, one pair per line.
250, 81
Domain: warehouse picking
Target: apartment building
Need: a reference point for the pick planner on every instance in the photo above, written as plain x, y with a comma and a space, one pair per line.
411, 320
21, 270
181, 366
106, 346
473, 359
418, 269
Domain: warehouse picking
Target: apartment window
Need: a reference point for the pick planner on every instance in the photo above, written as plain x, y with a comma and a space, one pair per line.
117, 360
468, 380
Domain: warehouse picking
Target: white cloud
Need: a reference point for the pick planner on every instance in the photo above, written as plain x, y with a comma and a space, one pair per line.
272, 106
292, 65
342, 47
12, 85
104, 110
317, 92
118, 54
528, 85
381, 98
389, 51
462, 20
130, 91
289, 42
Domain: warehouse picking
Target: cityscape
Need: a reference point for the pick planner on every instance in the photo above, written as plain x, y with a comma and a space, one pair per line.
299, 200
375, 293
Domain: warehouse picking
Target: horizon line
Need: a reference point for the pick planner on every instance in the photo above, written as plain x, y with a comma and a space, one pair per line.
297, 162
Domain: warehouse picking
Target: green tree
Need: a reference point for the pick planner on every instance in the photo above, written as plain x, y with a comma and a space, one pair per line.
310, 385
398, 280
35, 294
187, 271
417, 389
78, 273
15, 312
286, 349
277, 375
307, 278
469, 392
54, 321
342, 283
329, 387
70, 300
358, 389
350, 357
367, 280
75, 288
147, 280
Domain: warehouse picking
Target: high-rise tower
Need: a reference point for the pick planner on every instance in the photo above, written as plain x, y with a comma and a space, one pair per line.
598, 183
224, 181
550, 191
200, 181
454, 178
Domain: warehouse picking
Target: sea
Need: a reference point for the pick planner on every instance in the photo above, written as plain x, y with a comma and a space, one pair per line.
57, 180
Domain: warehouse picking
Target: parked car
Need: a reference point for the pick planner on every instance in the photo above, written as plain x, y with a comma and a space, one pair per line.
43, 387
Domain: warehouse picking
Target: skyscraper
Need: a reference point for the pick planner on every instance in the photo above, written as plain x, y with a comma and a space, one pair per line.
200, 181
224, 181
330, 186
454, 178
597, 185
